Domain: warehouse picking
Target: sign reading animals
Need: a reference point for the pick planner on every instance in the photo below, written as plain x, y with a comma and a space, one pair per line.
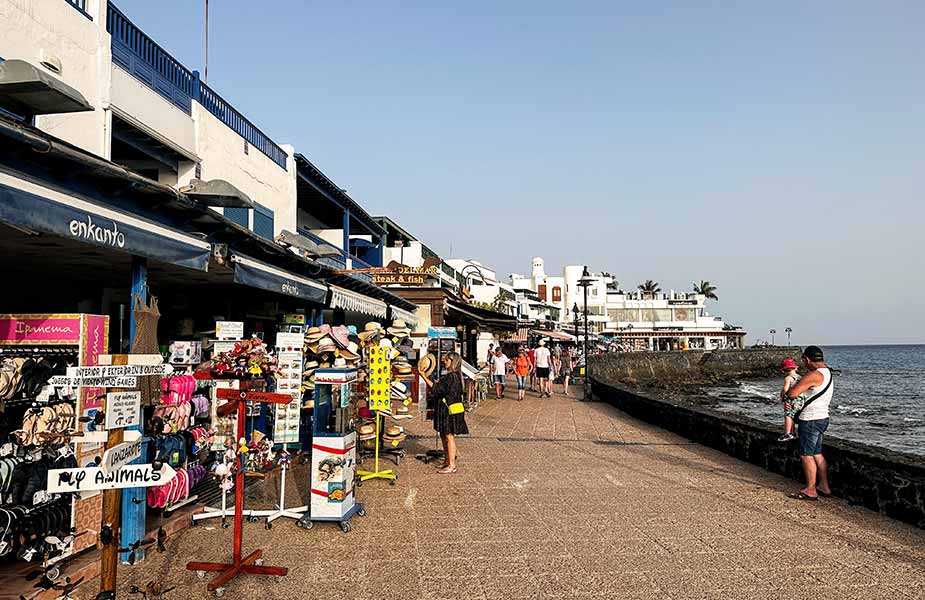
93, 478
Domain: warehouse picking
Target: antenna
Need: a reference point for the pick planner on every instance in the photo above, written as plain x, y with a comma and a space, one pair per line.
206, 78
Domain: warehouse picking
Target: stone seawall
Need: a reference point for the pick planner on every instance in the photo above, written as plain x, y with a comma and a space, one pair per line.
691, 367
890, 482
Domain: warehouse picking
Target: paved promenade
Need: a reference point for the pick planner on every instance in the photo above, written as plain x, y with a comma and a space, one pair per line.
561, 499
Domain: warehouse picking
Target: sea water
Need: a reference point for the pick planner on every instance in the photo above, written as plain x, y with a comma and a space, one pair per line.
879, 396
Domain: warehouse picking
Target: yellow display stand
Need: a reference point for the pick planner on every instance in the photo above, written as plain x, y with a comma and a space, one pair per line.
380, 398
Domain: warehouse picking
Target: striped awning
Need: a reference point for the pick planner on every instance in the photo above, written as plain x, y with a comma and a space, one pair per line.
347, 300
407, 316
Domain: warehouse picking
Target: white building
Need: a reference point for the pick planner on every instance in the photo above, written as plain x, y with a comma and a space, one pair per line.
635, 320
672, 321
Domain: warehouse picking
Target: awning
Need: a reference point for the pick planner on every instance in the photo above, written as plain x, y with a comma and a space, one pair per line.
260, 275
482, 317
34, 207
347, 300
556, 336
408, 317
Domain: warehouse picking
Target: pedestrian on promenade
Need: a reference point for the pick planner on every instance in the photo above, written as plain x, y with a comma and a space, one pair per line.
498, 371
542, 361
491, 354
531, 354
555, 366
813, 420
522, 368
566, 363
449, 411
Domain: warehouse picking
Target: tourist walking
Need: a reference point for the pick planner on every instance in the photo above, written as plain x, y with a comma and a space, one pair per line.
531, 354
566, 365
498, 372
813, 419
522, 369
491, 354
449, 410
542, 364
555, 366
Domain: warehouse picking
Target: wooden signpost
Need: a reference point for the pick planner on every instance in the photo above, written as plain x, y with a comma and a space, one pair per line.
228, 571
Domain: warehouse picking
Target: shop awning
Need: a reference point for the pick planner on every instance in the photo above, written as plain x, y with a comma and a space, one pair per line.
347, 300
408, 317
556, 336
484, 318
254, 273
37, 208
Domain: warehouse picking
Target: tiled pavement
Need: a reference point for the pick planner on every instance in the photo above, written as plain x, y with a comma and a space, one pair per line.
561, 499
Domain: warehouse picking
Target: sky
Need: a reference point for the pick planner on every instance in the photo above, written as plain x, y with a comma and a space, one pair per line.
773, 148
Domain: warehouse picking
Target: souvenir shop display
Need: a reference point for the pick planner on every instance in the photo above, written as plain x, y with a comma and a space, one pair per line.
334, 449
283, 459
39, 427
379, 400
290, 362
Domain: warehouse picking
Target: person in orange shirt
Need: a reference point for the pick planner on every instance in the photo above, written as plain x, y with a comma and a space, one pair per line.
522, 368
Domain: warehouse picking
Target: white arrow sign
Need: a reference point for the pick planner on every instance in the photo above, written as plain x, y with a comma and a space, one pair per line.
120, 455
67, 380
93, 478
119, 371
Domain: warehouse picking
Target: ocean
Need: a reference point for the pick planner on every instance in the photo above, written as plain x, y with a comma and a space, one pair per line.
879, 396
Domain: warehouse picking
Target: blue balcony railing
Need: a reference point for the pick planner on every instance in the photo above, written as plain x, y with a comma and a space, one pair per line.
333, 262
145, 59
227, 114
81, 6
142, 57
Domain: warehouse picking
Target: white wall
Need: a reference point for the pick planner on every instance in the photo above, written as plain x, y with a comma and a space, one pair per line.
411, 255
32, 30
221, 151
144, 108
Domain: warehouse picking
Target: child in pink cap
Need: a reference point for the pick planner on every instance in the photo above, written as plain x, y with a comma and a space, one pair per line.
789, 367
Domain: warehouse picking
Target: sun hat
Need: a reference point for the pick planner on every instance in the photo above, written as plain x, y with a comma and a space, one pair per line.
313, 334
341, 335
326, 345
340, 363
370, 330
351, 352
399, 327
366, 429
393, 430
401, 412
427, 364
788, 364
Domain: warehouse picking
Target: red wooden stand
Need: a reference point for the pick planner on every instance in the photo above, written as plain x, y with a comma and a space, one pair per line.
247, 564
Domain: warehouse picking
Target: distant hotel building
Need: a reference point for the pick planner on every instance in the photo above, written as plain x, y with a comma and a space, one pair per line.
635, 320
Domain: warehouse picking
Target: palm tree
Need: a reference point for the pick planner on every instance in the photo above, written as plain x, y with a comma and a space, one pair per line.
707, 289
649, 288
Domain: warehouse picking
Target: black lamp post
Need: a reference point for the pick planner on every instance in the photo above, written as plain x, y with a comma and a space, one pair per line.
789, 331
585, 282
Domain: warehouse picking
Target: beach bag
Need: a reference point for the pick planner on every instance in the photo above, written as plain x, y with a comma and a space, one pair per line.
145, 342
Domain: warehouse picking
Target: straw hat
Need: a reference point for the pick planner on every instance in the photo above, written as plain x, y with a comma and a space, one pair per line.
340, 363
393, 431
326, 345
366, 429
399, 327
351, 352
341, 335
313, 335
394, 439
370, 330
427, 364
402, 412
403, 369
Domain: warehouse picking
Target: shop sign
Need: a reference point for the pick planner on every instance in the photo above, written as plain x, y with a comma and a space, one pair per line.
40, 329
62, 481
441, 332
253, 396
119, 371
121, 455
397, 273
229, 330
122, 409
683, 302
289, 340
96, 382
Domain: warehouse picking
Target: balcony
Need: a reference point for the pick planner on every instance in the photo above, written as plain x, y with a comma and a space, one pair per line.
141, 56
80, 6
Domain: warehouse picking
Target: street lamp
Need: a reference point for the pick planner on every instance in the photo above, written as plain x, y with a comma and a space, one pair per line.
789, 331
773, 331
585, 282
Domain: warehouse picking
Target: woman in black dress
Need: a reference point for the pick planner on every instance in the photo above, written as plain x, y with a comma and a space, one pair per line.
447, 391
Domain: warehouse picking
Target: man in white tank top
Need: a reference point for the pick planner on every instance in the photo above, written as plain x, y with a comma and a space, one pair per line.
817, 387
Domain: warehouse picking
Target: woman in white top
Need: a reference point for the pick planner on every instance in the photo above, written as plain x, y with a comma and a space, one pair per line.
813, 419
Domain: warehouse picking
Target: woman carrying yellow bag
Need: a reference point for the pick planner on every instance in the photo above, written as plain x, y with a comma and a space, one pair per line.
449, 410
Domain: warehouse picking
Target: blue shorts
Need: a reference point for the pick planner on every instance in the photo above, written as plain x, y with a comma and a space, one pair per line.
499, 379
521, 382
811, 436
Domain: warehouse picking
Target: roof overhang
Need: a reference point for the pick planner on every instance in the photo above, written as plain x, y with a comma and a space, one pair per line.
28, 90
217, 192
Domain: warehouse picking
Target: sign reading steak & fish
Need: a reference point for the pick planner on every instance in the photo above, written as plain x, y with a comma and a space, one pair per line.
398, 274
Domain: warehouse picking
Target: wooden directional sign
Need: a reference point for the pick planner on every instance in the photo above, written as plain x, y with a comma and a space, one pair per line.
120, 455
226, 394
109, 381
94, 478
119, 371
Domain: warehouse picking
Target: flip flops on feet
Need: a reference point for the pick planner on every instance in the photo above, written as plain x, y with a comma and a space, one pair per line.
802, 496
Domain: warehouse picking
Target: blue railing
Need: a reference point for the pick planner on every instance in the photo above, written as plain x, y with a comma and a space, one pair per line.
142, 57
81, 6
227, 114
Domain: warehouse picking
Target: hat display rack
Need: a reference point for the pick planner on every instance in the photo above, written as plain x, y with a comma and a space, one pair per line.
379, 400
38, 432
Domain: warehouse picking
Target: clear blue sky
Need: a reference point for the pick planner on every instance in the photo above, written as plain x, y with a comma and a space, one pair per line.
774, 148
